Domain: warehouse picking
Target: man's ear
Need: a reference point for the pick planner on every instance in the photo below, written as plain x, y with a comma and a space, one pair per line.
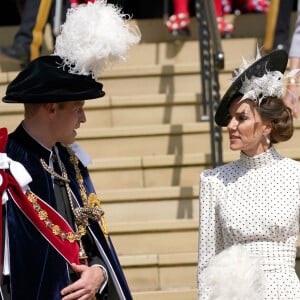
50, 107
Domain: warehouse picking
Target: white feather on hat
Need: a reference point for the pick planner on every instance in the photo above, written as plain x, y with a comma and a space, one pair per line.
95, 36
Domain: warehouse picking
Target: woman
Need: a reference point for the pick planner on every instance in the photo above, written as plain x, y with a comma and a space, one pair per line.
249, 209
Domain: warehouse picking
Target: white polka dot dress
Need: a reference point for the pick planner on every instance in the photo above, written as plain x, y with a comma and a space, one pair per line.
254, 202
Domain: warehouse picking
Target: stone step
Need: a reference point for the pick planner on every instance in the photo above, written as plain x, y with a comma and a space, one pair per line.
162, 139
160, 237
169, 53
171, 182
145, 81
157, 79
147, 171
153, 31
160, 170
157, 74
155, 203
151, 275
160, 272
145, 140
140, 80
163, 276
157, 47
126, 110
167, 79
174, 294
135, 110
245, 25
166, 52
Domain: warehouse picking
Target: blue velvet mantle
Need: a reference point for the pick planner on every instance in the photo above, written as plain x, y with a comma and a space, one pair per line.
38, 271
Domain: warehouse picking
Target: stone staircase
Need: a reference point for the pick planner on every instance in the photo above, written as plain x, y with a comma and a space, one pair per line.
149, 146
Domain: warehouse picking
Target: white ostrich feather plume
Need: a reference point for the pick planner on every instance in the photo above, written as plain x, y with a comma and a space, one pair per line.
234, 275
95, 36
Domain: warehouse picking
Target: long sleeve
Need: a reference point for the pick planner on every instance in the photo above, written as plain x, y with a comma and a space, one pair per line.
210, 232
294, 49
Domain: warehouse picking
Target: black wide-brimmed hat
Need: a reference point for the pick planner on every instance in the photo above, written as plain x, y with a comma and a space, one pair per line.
46, 80
273, 61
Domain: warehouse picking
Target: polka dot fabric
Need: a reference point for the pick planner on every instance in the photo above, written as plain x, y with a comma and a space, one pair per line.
254, 202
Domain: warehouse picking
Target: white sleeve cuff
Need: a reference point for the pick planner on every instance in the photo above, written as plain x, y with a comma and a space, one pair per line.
105, 278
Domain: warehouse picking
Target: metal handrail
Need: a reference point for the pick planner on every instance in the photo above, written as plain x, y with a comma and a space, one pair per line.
215, 35
212, 60
57, 17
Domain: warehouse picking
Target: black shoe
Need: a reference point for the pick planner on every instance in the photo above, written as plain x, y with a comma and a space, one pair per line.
281, 47
181, 33
16, 53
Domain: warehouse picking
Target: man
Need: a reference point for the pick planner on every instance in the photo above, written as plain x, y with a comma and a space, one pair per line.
56, 244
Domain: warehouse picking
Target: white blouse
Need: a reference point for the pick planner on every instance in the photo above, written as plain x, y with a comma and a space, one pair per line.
254, 202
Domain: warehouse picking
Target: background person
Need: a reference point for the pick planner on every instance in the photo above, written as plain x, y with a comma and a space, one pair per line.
291, 97
28, 39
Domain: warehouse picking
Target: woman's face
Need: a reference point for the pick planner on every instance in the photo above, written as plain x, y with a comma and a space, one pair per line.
247, 131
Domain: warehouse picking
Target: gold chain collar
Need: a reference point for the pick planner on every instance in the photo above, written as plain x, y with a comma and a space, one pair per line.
91, 206
92, 202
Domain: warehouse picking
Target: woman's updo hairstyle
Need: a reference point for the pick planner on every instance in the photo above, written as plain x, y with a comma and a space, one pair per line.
274, 110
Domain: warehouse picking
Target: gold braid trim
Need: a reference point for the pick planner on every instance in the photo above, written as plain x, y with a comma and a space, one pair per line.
91, 207
92, 202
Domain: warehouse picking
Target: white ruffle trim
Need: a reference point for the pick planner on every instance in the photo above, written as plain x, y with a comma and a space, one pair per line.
234, 275
17, 170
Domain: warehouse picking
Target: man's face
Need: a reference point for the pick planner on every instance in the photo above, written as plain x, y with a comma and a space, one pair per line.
67, 119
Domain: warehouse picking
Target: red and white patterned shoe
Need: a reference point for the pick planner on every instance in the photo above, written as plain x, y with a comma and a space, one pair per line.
258, 6
225, 28
179, 24
227, 7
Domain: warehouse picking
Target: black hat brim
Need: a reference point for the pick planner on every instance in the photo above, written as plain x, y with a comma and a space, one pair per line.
274, 61
46, 80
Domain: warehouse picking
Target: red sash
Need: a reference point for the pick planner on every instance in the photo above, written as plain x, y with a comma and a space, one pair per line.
69, 250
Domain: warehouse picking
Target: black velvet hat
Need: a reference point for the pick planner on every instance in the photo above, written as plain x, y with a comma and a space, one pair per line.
94, 36
46, 80
273, 61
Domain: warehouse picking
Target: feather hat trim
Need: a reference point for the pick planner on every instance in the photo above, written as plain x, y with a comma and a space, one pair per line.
255, 80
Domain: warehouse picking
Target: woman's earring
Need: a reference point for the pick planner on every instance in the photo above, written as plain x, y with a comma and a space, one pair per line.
267, 139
